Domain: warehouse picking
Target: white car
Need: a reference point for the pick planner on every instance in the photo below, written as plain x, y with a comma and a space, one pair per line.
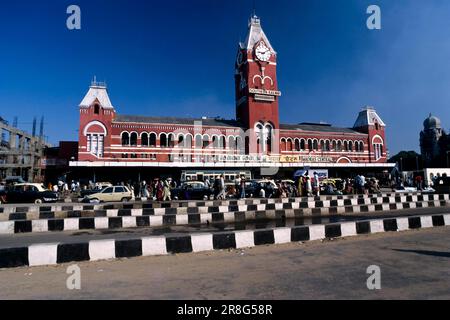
111, 194
405, 190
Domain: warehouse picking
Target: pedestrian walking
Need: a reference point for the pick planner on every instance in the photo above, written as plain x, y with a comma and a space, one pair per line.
222, 194
242, 187
300, 186
316, 185
166, 191
159, 191
309, 189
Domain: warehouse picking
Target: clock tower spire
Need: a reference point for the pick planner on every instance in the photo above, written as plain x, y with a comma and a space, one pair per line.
257, 91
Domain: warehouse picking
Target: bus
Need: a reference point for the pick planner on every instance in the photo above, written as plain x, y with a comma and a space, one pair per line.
229, 175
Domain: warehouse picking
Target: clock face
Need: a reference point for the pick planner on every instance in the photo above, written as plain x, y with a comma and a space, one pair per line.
263, 52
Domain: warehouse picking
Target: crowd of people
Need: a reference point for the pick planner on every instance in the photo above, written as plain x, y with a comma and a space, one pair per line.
160, 189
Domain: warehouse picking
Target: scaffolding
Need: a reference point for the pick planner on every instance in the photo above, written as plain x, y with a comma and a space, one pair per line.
20, 153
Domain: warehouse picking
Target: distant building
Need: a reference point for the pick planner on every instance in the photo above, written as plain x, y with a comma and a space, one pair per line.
434, 143
20, 153
55, 163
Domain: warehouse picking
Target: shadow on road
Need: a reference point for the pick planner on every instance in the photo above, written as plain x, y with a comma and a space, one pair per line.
427, 253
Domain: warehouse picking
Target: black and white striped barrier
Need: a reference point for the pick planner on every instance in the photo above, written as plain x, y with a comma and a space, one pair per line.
55, 253
135, 218
308, 207
8, 209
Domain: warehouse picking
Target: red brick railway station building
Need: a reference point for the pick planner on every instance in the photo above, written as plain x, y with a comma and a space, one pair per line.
136, 146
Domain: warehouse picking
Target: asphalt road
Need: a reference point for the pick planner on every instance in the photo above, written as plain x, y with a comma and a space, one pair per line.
414, 265
25, 239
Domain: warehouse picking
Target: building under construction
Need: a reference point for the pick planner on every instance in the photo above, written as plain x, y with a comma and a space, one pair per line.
20, 152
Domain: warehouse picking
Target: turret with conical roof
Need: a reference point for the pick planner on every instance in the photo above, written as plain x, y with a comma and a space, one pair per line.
370, 122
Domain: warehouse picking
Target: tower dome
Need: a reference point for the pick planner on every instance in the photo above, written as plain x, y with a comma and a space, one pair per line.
432, 122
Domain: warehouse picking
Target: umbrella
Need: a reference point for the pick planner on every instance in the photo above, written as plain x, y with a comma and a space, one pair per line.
300, 173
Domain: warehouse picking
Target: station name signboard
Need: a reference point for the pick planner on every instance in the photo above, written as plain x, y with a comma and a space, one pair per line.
265, 92
246, 158
255, 158
308, 159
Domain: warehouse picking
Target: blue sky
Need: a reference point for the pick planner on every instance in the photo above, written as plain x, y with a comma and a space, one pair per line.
176, 58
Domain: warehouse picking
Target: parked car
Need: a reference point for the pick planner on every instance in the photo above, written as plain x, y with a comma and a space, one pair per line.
402, 189
29, 193
442, 185
253, 188
192, 190
97, 189
111, 194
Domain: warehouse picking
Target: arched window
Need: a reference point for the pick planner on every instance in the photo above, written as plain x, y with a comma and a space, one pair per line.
283, 144
205, 141
215, 142
361, 146
188, 141
152, 140
170, 140
222, 142
181, 141
259, 130
289, 145
302, 144
322, 145
125, 139
310, 145
133, 139
198, 141
315, 145
345, 146
163, 140
333, 145
240, 145
339, 146
350, 146
232, 143
297, 145
144, 139
97, 109
377, 142
327, 145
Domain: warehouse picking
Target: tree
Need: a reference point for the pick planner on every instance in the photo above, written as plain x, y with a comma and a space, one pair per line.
407, 161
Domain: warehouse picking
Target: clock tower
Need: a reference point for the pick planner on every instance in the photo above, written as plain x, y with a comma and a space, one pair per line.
257, 90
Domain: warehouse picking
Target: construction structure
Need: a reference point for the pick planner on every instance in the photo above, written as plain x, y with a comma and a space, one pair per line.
21, 152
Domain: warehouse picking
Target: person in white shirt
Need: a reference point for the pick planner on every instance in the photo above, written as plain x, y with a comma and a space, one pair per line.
308, 186
316, 184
